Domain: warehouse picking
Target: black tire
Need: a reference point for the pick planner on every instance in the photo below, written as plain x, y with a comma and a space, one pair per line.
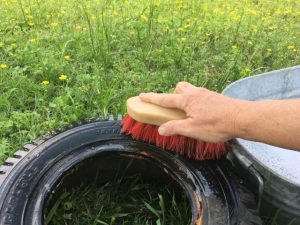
37, 171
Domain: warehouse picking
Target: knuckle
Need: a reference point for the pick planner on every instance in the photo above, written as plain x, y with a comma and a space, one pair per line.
185, 85
179, 87
202, 89
182, 83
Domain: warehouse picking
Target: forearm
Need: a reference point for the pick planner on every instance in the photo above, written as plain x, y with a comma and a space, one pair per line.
275, 122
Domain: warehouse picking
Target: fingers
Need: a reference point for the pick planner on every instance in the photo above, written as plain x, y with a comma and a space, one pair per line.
176, 100
175, 127
165, 100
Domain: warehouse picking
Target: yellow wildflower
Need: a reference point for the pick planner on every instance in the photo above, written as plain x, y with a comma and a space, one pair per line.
30, 17
187, 26
237, 18
13, 45
144, 17
183, 39
54, 24
3, 66
63, 77
288, 11
33, 40
247, 70
253, 11
264, 18
234, 47
67, 57
269, 49
162, 20
277, 11
290, 47
45, 82
273, 27
78, 27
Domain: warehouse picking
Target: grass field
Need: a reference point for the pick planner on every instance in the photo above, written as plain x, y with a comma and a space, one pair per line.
64, 61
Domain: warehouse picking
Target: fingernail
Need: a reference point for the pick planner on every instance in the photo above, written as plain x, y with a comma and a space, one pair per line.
162, 131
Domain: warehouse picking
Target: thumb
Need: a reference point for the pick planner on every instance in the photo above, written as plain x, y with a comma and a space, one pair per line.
175, 127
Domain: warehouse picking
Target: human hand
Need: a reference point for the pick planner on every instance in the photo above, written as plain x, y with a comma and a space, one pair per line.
211, 117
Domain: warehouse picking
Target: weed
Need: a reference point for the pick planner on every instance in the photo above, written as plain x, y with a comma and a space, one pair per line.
126, 200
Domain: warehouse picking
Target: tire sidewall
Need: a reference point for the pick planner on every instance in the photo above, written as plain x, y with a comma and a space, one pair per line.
19, 184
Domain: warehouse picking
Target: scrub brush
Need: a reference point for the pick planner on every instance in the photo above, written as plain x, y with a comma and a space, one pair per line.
142, 122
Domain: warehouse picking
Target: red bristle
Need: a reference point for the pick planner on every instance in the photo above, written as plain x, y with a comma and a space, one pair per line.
147, 133
174, 142
217, 147
206, 152
159, 141
221, 149
137, 131
171, 141
188, 151
153, 135
127, 124
168, 142
190, 147
190, 144
180, 146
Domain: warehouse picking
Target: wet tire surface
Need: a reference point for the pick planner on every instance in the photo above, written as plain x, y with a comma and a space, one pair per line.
28, 178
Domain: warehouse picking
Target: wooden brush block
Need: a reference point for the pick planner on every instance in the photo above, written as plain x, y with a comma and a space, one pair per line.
149, 113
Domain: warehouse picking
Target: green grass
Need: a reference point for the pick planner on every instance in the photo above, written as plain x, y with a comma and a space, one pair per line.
125, 201
112, 49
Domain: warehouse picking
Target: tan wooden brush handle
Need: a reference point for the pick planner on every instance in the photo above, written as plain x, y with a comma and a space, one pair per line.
149, 113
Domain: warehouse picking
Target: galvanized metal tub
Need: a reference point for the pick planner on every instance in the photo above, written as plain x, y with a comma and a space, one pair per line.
274, 171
